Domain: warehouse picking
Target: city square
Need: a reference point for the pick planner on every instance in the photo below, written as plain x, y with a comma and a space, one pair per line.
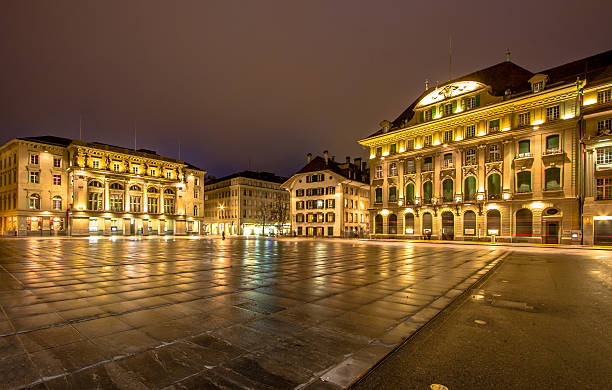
242, 313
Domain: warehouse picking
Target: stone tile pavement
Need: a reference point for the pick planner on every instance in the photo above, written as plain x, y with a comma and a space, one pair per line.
184, 313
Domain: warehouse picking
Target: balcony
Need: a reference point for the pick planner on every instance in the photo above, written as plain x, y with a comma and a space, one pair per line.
553, 151
523, 155
427, 167
448, 164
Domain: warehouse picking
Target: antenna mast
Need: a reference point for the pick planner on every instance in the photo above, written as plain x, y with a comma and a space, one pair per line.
80, 127
450, 58
134, 135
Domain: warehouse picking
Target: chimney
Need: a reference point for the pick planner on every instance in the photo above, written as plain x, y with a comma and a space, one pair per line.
507, 55
326, 156
358, 162
333, 158
308, 158
426, 84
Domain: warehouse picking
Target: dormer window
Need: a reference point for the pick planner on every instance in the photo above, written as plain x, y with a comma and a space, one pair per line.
428, 114
537, 87
448, 109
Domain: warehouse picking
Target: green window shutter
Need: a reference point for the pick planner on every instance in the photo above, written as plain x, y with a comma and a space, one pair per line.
523, 181
427, 191
447, 190
470, 188
462, 104
524, 147
410, 192
422, 115
552, 142
433, 112
454, 106
477, 100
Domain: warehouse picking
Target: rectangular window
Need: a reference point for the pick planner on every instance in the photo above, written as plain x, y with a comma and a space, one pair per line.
604, 156
392, 194
94, 200
470, 157
57, 180
552, 144
524, 148
448, 136
494, 126
153, 205
604, 127
168, 174
537, 87
96, 164
196, 193
135, 204
470, 103
552, 113
34, 177
116, 202
604, 96
393, 169
428, 164
410, 168
379, 172
448, 109
330, 230
393, 149
57, 162
427, 140
153, 172
410, 144
169, 205
195, 210
135, 170
428, 114
34, 159
470, 131
604, 188
524, 119
379, 152
494, 153
57, 203
447, 161
116, 167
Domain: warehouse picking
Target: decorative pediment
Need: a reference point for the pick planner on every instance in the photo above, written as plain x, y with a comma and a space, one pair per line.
495, 166
426, 176
470, 170
449, 91
410, 178
448, 172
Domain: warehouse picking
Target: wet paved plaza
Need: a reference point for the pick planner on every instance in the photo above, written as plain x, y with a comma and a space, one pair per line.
205, 313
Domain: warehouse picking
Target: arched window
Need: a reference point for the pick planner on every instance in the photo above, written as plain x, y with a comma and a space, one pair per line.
409, 223
524, 223
493, 223
392, 224
427, 192
494, 186
56, 202
427, 222
523, 181
116, 186
168, 191
378, 224
393, 194
447, 190
35, 201
152, 190
552, 177
410, 192
378, 198
469, 194
469, 223
448, 225
135, 188
95, 183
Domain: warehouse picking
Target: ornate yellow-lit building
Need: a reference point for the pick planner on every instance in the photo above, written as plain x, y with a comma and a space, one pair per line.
493, 153
236, 204
62, 186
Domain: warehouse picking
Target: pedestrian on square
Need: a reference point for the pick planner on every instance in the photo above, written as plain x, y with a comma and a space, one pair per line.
223, 235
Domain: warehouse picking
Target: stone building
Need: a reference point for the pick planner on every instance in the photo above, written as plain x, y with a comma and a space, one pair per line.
246, 203
329, 198
492, 153
54, 185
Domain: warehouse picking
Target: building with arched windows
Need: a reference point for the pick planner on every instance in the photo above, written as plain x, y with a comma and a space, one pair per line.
498, 152
51, 185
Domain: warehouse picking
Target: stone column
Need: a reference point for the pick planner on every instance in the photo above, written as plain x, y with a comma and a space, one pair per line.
508, 179
458, 161
145, 202
400, 174
126, 201
418, 161
482, 185
161, 200
106, 196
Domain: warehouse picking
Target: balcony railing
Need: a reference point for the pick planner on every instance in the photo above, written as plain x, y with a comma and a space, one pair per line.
553, 151
447, 164
428, 167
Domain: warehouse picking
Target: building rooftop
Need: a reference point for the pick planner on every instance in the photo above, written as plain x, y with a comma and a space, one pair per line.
346, 170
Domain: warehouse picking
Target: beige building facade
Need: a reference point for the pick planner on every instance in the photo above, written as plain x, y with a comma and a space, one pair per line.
493, 155
246, 203
63, 186
329, 199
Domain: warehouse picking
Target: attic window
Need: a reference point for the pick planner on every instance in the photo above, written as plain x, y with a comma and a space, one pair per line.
537, 87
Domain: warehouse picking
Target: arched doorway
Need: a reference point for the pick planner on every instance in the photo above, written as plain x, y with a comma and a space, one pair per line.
524, 223
409, 223
392, 224
427, 224
448, 225
493, 223
378, 224
469, 223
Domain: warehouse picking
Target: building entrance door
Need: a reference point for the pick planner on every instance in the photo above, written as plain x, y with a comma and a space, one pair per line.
552, 232
448, 225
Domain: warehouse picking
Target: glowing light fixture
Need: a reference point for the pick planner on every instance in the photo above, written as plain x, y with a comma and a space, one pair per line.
505, 129
372, 156
537, 205
401, 149
384, 212
537, 122
385, 153
506, 195
436, 142
458, 138
589, 102
569, 116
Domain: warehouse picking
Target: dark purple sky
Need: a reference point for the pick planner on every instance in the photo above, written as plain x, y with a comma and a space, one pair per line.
265, 80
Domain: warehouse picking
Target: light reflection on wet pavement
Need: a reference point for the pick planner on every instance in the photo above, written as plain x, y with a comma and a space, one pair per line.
206, 313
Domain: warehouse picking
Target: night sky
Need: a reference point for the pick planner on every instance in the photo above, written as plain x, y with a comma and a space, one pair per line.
265, 81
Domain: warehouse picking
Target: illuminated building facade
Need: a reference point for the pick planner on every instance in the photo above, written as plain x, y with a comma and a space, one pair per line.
329, 198
236, 204
493, 153
61, 186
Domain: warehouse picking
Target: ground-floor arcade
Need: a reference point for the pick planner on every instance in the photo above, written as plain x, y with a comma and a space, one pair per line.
549, 221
